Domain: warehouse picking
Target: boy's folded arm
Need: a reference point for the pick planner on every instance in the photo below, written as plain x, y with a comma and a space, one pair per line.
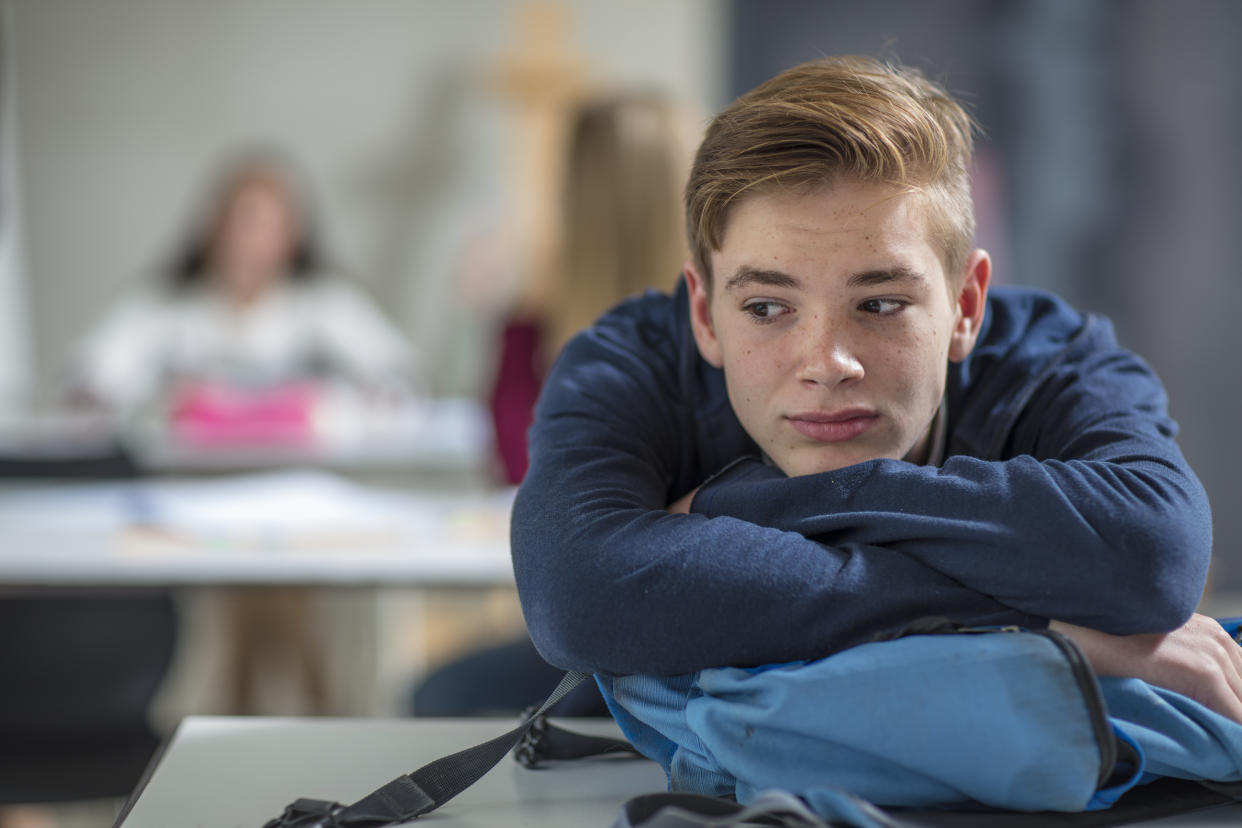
1088, 542
1097, 520
612, 583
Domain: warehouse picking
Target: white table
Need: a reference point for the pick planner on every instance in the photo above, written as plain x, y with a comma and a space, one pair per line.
291, 527
221, 772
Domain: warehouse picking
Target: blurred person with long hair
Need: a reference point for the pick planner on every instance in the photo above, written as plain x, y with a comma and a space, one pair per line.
249, 310
620, 234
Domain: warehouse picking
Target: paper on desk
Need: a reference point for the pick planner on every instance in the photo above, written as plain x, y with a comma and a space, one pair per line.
288, 508
315, 508
296, 501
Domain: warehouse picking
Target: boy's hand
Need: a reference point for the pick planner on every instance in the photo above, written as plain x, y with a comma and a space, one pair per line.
1198, 660
681, 506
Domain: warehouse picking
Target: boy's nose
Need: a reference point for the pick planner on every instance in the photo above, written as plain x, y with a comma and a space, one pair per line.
829, 360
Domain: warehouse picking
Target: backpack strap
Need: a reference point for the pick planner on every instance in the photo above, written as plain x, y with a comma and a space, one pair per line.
410, 796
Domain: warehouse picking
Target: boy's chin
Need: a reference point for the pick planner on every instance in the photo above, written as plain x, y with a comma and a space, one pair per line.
803, 463
803, 466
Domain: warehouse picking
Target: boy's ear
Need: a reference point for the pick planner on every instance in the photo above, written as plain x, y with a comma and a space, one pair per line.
972, 300
701, 315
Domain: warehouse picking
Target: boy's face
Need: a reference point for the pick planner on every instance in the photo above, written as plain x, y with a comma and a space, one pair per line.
834, 321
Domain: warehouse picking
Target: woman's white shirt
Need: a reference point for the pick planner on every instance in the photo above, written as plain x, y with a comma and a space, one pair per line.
324, 328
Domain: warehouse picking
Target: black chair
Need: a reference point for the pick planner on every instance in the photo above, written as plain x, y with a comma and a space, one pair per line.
80, 672
80, 668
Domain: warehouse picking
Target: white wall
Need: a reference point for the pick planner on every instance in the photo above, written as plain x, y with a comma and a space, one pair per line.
125, 106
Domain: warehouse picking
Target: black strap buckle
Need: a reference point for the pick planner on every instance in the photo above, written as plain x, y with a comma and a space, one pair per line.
529, 749
308, 813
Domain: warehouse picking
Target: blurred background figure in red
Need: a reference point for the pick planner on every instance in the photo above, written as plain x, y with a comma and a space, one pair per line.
619, 231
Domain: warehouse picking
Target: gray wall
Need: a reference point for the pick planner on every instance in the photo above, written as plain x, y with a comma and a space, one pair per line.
126, 106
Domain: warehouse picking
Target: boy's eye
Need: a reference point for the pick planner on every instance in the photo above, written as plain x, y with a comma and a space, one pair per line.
882, 307
764, 311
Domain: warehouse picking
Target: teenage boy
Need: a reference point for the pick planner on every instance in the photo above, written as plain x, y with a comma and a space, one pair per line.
834, 427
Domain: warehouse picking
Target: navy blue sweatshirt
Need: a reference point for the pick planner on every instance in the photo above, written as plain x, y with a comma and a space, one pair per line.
1063, 495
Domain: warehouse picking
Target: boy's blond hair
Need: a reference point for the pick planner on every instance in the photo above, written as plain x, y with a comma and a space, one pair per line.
838, 117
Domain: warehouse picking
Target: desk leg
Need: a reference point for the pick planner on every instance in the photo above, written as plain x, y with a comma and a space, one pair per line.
270, 629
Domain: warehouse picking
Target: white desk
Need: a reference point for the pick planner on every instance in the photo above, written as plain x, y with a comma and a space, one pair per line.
233, 772
282, 527
222, 772
292, 527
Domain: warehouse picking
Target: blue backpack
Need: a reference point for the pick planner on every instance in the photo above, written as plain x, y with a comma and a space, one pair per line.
941, 717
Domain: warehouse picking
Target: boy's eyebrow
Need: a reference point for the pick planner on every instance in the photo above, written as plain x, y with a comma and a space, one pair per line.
871, 278
746, 275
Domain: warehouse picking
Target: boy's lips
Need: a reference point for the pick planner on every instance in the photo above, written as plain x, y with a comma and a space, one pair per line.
833, 426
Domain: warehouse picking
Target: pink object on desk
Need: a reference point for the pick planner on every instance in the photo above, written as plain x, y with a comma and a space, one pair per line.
209, 414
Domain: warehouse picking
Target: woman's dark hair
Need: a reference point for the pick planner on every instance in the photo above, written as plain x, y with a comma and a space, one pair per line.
190, 265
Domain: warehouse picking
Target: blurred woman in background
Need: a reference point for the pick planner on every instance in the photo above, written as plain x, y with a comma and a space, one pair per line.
249, 319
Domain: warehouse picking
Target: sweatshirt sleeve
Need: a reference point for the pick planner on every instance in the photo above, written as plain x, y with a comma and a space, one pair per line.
1093, 517
610, 582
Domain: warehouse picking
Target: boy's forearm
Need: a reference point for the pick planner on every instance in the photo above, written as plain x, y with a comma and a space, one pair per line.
1121, 548
624, 590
